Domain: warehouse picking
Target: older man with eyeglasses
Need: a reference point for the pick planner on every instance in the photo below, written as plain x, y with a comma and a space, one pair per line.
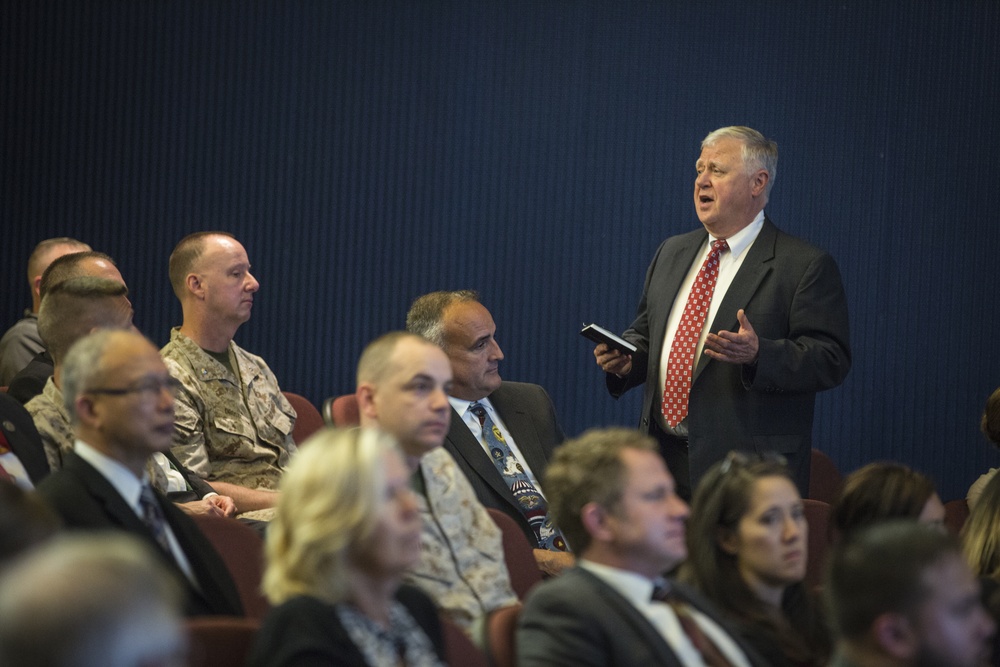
121, 402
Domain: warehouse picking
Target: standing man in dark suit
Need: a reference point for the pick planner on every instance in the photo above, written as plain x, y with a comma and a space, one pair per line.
522, 414
121, 400
615, 502
738, 327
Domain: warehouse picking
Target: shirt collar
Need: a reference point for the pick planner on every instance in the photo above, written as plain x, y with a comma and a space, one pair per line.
462, 406
742, 239
124, 480
635, 587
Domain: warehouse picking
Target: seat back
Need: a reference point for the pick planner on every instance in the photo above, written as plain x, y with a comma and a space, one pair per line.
818, 517
242, 550
341, 411
458, 648
955, 514
308, 421
518, 554
500, 640
220, 641
824, 477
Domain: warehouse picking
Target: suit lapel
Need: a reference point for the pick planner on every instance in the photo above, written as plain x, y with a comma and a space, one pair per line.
669, 286
101, 490
752, 272
521, 428
465, 446
618, 606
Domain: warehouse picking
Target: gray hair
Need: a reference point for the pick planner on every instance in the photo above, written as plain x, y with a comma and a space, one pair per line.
425, 317
84, 365
758, 151
101, 600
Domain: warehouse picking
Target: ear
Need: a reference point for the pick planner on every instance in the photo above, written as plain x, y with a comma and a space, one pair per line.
895, 635
85, 412
596, 521
758, 182
194, 285
36, 285
727, 541
365, 395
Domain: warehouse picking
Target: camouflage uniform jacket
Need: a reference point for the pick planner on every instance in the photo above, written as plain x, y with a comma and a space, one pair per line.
229, 429
52, 421
462, 563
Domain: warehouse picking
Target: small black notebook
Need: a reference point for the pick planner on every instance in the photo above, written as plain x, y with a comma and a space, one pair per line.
601, 335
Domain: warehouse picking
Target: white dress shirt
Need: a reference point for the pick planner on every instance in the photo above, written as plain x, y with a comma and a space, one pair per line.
638, 590
729, 264
472, 421
129, 487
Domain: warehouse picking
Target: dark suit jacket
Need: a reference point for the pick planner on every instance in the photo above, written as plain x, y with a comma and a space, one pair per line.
24, 440
31, 379
305, 631
793, 296
86, 500
528, 413
576, 620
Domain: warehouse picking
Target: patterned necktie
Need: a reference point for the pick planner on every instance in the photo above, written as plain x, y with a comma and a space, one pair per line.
152, 516
531, 503
680, 362
710, 653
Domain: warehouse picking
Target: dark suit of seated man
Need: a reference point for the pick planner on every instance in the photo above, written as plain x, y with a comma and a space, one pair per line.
615, 502
502, 434
25, 461
121, 399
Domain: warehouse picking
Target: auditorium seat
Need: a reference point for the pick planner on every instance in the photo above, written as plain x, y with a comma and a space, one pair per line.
518, 554
242, 550
500, 637
220, 641
458, 648
308, 420
824, 477
818, 517
955, 514
341, 411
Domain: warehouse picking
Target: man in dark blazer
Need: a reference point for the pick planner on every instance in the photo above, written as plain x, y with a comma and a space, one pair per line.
459, 324
22, 439
778, 313
615, 502
123, 412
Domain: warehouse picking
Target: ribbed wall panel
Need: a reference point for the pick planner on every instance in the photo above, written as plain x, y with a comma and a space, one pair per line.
368, 152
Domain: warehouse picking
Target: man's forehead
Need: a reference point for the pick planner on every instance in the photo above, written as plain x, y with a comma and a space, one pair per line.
468, 318
412, 359
223, 251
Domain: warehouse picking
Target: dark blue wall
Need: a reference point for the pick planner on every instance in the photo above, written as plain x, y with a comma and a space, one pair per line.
367, 152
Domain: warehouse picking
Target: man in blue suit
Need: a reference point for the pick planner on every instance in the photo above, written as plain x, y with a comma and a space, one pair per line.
739, 324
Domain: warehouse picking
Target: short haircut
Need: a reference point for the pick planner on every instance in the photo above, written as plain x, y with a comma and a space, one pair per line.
38, 261
25, 521
588, 469
331, 498
185, 256
879, 569
68, 266
84, 368
74, 307
879, 491
991, 418
758, 151
100, 600
426, 316
980, 534
374, 361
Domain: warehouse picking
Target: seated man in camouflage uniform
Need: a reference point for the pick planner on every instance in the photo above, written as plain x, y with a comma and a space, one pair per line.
233, 425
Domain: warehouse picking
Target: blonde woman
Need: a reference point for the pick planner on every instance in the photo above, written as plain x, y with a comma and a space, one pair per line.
346, 528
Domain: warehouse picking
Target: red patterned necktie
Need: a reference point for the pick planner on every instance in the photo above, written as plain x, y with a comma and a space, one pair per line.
680, 362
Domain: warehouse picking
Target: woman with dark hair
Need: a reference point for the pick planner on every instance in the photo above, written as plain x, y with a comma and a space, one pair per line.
747, 546
884, 490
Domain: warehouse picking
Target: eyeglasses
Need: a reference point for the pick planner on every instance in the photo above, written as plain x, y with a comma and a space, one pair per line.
150, 386
743, 460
